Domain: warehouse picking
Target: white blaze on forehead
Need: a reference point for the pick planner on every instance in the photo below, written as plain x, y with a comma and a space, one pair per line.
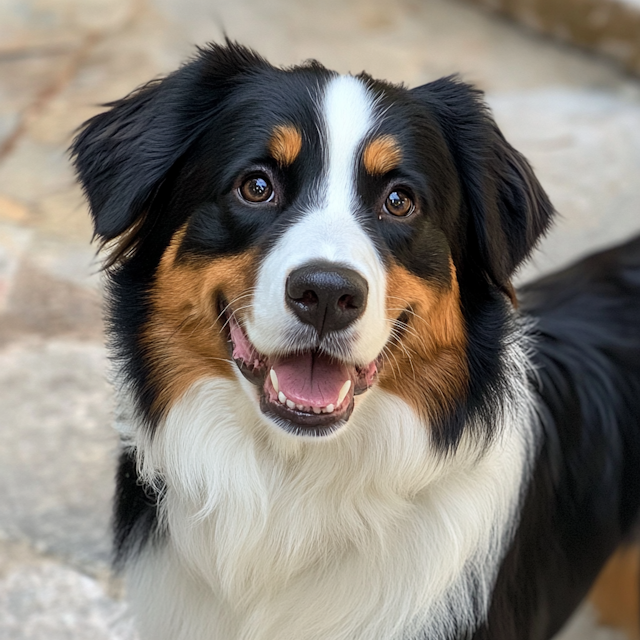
328, 230
348, 116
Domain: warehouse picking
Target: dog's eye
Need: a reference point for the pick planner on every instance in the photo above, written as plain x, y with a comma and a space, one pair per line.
399, 203
256, 188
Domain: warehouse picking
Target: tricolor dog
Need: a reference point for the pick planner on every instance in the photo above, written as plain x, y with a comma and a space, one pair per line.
337, 422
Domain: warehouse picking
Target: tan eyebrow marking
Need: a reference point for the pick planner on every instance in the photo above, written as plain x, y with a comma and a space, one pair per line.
382, 155
285, 144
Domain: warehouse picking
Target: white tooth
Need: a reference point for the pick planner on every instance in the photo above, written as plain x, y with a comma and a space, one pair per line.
282, 398
274, 380
343, 392
329, 408
317, 410
300, 407
291, 404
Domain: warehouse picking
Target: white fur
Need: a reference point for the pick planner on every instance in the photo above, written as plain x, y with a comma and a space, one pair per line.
328, 231
366, 535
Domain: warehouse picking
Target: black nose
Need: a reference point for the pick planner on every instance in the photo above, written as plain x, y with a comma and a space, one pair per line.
326, 295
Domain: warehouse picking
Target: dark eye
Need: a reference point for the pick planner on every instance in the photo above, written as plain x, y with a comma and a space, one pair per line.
256, 189
399, 203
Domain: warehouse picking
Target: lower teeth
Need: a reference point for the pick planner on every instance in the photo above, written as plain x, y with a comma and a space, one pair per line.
305, 409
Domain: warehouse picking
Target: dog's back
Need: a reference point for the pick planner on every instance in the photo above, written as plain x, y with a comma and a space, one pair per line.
586, 489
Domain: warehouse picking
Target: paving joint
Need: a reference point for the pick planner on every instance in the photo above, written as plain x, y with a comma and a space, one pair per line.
49, 92
62, 80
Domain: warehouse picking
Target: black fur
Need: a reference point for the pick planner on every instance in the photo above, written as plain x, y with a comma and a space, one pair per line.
135, 512
505, 210
584, 497
173, 150
124, 153
172, 153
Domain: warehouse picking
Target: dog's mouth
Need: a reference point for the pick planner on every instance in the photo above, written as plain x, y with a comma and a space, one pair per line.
306, 393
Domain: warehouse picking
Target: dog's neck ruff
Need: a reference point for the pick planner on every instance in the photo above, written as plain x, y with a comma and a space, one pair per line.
370, 534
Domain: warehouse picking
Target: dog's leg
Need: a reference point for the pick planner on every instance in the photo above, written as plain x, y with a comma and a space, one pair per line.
616, 593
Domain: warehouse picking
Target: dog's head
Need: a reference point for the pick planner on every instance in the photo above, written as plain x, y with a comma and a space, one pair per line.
318, 234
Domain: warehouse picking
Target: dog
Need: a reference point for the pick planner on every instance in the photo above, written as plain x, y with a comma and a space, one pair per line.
338, 419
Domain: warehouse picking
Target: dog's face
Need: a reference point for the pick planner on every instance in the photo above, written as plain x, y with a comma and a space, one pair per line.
318, 234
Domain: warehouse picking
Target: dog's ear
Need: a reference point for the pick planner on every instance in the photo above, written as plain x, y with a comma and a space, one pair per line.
122, 155
507, 209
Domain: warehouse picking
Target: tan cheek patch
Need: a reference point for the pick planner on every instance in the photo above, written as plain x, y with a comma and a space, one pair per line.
382, 155
184, 341
428, 366
285, 144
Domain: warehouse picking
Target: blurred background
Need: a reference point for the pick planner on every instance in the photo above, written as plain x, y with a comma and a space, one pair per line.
559, 76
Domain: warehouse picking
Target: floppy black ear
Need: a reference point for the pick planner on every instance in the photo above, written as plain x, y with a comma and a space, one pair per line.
122, 155
507, 208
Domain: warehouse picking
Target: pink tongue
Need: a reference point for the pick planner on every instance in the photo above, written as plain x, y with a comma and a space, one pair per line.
312, 379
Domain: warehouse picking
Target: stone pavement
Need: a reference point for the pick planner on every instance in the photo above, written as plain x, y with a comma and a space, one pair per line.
611, 27
576, 117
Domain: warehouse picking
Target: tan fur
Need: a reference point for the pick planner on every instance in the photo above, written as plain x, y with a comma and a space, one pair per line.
285, 144
428, 366
382, 155
616, 594
511, 293
118, 248
184, 341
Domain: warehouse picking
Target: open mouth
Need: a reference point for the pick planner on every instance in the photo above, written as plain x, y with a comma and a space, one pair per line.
306, 393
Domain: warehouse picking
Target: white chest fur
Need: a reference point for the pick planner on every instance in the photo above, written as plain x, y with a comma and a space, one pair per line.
367, 535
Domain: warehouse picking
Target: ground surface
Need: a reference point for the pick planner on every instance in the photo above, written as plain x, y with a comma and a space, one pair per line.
576, 118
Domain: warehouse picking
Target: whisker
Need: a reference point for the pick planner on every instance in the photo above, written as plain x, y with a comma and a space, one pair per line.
246, 294
406, 328
387, 352
247, 306
393, 355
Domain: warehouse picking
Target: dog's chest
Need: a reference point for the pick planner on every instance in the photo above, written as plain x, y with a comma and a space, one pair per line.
367, 536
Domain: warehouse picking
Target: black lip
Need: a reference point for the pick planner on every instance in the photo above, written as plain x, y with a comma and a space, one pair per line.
253, 375
292, 420
302, 423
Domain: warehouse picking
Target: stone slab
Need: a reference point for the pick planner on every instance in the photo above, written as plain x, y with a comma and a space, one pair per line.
583, 627
48, 287
610, 27
43, 599
585, 148
13, 242
57, 450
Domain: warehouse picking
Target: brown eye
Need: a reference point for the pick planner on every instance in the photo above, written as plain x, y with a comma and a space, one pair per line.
399, 204
256, 189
